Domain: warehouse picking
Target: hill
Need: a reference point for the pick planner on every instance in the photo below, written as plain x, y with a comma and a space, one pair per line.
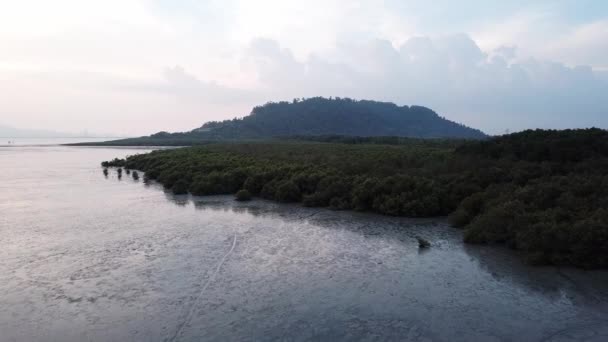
320, 117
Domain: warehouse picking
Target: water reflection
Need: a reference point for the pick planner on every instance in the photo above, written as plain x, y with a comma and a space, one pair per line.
502, 265
127, 261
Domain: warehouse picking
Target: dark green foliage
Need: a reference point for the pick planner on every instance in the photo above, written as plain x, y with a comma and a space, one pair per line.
545, 201
135, 175
543, 145
255, 182
180, 187
340, 120
321, 116
467, 210
105, 172
287, 191
114, 163
243, 195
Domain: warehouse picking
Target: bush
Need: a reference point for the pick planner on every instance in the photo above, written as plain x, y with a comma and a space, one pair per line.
180, 187
269, 189
114, 163
498, 224
243, 195
255, 183
287, 191
460, 218
339, 203
467, 210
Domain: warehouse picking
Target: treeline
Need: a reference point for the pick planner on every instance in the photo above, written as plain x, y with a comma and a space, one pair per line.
383, 140
544, 200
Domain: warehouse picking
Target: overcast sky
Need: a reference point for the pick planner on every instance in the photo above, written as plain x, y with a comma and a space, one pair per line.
139, 66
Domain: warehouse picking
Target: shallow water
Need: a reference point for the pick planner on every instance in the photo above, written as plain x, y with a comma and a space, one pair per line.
89, 258
20, 142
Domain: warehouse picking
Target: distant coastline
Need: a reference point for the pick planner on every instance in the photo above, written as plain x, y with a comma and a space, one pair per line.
44, 141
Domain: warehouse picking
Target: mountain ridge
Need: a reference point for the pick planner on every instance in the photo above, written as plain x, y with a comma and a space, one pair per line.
341, 116
318, 116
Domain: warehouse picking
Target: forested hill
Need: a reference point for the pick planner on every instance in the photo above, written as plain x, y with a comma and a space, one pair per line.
319, 116
322, 116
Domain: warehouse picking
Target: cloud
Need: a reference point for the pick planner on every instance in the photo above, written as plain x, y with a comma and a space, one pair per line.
74, 100
491, 90
451, 74
183, 84
585, 44
171, 65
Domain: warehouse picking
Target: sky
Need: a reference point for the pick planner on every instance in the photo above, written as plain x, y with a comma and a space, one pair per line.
135, 67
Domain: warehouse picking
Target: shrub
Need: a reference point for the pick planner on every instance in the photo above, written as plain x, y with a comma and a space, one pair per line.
459, 218
287, 191
467, 210
114, 163
269, 189
243, 195
339, 203
498, 224
180, 187
255, 183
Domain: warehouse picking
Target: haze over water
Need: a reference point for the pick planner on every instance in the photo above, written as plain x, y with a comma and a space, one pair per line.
85, 257
19, 141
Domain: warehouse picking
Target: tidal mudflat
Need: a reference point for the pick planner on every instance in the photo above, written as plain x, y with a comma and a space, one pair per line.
95, 258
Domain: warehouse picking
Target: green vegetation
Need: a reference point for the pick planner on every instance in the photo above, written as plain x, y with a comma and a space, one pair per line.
243, 195
180, 187
313, 117
341, 116
114, 163
135, 175
544, 193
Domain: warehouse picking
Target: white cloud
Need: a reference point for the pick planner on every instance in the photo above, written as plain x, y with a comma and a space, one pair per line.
583, 45
450, 74
102, 62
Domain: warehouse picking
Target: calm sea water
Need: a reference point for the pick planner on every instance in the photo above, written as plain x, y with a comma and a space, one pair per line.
89, 258
14, 142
